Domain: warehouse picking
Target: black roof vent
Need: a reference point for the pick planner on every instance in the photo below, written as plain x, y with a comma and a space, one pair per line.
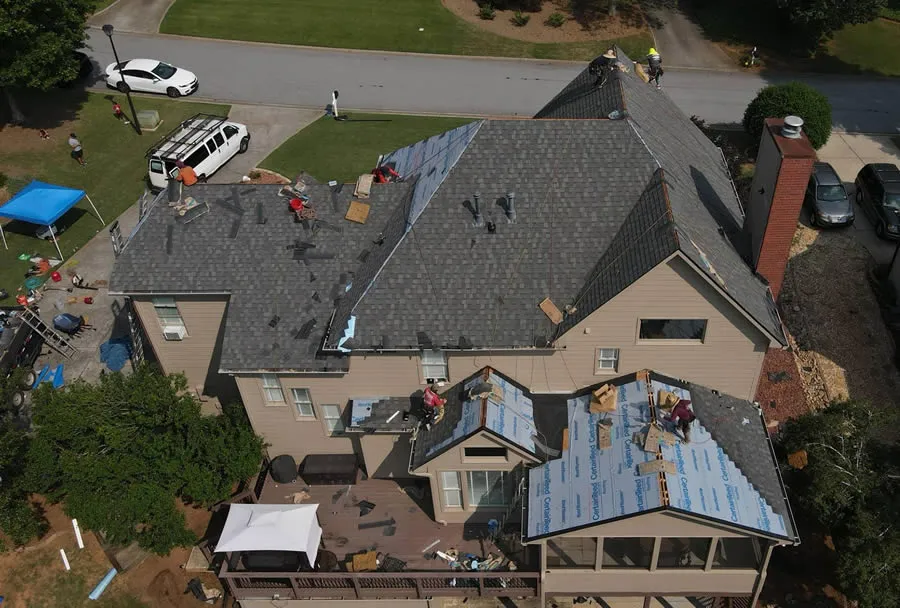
260, 215
385, 342
274, 321
423, 340
169, 232
477, 221
464, 343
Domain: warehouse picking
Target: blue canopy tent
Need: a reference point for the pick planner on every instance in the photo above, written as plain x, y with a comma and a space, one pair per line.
43, 204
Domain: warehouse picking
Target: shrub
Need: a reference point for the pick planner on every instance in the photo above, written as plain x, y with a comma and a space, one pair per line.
555, 20
520, 20
254, 174
487, 12
3, 180
793, 98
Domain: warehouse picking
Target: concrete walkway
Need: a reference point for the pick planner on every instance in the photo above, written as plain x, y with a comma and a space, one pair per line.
682, 44
137, 16
269, 128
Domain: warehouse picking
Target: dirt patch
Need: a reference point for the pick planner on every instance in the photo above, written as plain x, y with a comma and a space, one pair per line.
264, 176
843, 348
535, 30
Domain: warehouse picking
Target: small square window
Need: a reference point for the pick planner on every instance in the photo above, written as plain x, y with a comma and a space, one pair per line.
434, 365
607, 360
272, 389
303, 403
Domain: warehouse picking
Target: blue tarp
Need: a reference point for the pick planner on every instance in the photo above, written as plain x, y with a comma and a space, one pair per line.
41, 203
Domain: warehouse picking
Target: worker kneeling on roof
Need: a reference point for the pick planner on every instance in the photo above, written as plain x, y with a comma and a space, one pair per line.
186, 174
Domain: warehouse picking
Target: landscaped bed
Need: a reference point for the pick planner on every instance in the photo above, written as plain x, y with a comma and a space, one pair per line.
342, 150
113, 177
423, 26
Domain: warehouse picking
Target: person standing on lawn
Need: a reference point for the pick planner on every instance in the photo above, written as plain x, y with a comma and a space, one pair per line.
118, 113
77, 151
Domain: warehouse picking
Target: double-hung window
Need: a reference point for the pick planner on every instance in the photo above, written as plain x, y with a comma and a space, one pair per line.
303, 403
607, 360
272, 389
167, 312
451, 489
331, 414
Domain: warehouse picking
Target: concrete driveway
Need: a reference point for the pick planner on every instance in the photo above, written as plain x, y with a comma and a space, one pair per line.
847, 153
681, 43
269, 127
138, 16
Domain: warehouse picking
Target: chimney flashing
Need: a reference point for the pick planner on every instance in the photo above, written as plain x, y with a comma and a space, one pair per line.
789, 147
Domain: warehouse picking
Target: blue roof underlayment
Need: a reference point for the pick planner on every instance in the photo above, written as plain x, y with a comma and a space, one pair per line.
708, 483
361, 409
588, 486
512, 419
430, 161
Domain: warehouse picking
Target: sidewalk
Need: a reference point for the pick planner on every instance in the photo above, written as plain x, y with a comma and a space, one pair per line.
137, 16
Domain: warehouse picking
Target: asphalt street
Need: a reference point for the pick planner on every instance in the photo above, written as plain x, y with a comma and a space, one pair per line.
304, 77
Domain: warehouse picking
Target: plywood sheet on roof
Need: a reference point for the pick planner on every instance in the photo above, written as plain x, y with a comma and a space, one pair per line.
553, 313
363, 185
357, 212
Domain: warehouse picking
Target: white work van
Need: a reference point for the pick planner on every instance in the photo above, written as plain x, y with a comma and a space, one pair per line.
203, 142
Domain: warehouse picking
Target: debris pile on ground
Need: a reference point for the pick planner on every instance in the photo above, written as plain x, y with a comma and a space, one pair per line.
842, 346
781, 392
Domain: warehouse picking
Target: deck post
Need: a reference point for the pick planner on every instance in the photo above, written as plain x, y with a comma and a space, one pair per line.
294, 587
354, 578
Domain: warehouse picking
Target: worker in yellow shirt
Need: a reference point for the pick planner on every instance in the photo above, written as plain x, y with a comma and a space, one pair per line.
186, 174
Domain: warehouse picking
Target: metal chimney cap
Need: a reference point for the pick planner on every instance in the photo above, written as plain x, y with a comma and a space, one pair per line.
793, 126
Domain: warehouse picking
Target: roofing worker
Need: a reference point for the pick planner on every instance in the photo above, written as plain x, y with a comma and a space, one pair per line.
682, 415
655, 63
186, 174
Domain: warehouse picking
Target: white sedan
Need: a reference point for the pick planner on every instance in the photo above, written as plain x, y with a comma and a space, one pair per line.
150, 76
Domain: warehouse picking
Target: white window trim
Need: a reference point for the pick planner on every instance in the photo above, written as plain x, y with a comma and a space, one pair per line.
682, 341
168, 302
458, 490
339, 423
601, 371
425, 367
265, 389
298, 413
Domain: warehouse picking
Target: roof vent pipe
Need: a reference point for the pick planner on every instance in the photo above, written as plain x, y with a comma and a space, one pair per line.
792, 127
479, 221
511, 206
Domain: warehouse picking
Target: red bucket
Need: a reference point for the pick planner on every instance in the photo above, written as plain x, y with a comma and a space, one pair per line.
296, 204
56, 277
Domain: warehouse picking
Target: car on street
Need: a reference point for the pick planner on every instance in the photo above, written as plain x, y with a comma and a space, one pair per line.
827, 199
878, 195
150, 76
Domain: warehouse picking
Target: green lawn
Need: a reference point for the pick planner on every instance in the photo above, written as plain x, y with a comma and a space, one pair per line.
871, 46
342, 150
366, 24
113, 177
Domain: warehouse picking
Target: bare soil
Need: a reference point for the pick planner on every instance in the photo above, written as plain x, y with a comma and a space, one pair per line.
28, 573
781, 393
264, 176
600, 28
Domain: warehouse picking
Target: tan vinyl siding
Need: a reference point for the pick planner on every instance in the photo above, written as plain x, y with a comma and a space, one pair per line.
194, 355
729, 359
660, 582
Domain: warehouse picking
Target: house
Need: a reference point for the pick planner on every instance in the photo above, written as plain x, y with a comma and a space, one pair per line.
562, 253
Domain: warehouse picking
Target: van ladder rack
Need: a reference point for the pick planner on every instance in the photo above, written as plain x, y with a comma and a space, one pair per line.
205, 124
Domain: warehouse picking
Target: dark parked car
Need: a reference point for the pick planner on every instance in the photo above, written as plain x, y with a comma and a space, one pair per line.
827, 199
878, 195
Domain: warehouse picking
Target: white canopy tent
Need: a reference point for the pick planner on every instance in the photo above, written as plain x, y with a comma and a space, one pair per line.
271, 528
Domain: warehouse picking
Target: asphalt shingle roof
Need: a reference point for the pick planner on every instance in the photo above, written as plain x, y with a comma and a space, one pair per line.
257, 268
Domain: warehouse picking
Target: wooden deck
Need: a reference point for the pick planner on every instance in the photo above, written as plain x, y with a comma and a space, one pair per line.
402, 508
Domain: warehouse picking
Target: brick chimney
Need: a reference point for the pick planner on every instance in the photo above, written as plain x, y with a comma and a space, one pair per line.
783, 167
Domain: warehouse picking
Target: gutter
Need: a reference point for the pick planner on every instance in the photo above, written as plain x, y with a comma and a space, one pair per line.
787, 503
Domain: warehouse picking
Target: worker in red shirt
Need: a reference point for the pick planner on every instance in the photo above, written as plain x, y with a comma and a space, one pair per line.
434, 407
186, 174
682, 415
385, 174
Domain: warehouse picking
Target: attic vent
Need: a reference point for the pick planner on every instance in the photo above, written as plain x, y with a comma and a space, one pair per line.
793, 126
423, 340
274, 321
260, 215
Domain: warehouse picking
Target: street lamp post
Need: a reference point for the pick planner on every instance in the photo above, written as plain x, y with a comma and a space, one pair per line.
108, 30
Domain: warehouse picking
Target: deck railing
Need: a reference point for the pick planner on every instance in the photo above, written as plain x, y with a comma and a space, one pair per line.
378, 585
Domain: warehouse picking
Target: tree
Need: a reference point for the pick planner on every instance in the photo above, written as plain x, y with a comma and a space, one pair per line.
792, 98
19, 519
849, 485
118, 453
38, 39
816, 19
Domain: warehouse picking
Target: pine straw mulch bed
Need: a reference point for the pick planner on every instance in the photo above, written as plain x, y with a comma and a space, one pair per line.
842, 346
